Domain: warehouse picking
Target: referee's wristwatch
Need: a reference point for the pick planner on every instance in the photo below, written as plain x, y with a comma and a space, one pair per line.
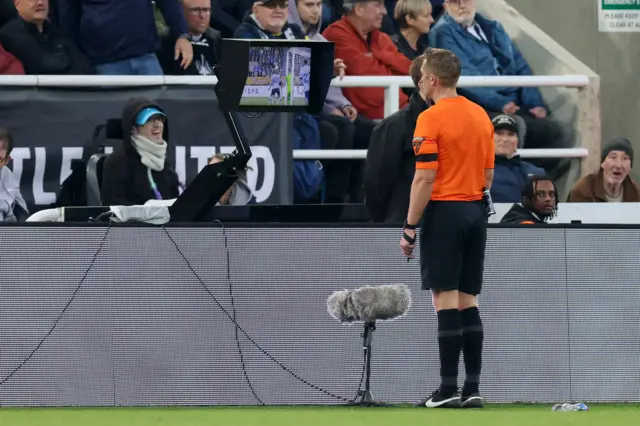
407, 226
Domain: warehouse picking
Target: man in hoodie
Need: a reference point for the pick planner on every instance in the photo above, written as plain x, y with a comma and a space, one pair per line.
338, 111
13, 208
120, 37
139, 170
539, 203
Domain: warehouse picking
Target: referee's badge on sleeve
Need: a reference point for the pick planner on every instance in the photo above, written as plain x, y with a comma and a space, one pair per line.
417, 143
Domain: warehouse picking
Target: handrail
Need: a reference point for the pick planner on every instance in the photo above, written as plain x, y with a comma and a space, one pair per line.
391, 84
101, 81
361, 154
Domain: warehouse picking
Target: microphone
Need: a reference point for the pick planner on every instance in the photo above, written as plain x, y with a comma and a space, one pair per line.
369, 304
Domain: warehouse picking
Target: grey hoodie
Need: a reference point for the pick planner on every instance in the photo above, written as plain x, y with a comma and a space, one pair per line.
335, 98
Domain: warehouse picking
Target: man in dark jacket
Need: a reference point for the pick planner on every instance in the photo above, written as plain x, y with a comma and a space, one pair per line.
391, 159
510, 172
204, 40
268, 20
139, 170
37, 45
120, 37
539, 203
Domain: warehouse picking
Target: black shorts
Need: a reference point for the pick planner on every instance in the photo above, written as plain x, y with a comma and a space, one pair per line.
453, 238
275, 92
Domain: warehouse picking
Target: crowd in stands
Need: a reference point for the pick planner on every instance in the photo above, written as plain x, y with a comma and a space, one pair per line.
371, 37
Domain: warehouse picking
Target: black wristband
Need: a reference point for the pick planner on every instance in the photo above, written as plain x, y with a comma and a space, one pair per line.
408, 238
407, 226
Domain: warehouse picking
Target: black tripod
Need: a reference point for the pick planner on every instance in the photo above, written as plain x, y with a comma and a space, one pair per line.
365, 398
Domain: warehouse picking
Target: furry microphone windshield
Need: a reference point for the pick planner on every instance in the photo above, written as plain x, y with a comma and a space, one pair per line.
369, 303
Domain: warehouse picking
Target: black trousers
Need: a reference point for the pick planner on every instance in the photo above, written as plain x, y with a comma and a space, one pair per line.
344, 177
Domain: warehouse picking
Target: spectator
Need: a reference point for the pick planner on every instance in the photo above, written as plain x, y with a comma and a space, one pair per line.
268, 19
9, 65
539, 203
139, 170
227, 15
34, 42
414, 20
367, 51
391, 160
352, 131
239, 194
612, 183
204, 40
510, 172
120, 37
13, 208
485, 49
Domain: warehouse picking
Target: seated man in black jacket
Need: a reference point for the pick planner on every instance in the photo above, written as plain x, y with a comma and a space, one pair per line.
32, 39
391, 161
204, 40
539, 203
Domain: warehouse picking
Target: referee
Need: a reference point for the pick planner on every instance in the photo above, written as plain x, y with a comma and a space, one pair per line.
454, 148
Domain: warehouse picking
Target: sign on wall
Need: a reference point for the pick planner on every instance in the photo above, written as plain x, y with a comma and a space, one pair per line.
618, 16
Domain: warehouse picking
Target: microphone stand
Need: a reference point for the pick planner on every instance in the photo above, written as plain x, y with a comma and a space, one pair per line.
365, 397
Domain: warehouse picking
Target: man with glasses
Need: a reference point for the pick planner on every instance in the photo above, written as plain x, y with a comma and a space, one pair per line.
268, 20
204, 40
13, 208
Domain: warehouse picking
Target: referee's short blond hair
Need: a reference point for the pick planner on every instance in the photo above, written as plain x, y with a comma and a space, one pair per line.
412, 8
444, 64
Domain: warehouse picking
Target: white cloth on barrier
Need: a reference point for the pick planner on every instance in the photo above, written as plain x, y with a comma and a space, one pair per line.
48, 215
155, 215
166, 203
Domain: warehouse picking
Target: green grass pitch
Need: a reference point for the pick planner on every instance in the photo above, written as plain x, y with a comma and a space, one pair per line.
492, 415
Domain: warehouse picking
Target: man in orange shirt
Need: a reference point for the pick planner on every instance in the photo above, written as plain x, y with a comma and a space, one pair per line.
453, 143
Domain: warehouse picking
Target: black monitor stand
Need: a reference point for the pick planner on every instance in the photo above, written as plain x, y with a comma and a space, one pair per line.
199, 198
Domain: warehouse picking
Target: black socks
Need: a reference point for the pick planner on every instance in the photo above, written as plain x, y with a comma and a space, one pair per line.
472, 337
450, 345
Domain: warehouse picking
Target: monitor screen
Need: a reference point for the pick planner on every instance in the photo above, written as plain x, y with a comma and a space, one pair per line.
274, 75
278, 76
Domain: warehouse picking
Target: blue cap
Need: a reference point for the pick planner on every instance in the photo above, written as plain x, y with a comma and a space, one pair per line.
144, 115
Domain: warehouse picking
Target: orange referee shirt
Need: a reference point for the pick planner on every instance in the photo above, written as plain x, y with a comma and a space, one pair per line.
455, 137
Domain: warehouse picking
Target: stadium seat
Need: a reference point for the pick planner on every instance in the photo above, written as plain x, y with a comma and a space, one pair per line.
94, 178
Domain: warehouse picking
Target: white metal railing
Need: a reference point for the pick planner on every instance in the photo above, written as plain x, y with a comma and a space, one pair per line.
391, 84
361, 154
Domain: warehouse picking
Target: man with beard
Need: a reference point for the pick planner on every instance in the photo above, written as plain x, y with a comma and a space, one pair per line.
539, 203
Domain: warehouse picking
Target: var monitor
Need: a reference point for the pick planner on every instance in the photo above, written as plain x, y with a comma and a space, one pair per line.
274, 75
